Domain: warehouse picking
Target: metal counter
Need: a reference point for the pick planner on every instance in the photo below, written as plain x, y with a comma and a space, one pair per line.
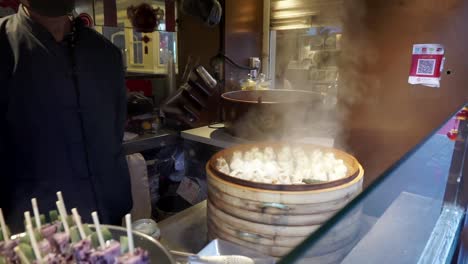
186, 231
218, 137
163, 137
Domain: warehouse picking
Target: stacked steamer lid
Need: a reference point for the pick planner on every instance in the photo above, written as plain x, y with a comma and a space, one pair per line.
275, 218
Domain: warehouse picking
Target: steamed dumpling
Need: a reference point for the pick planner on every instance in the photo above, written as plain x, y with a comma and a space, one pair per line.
236, 162
269, 154
222, 165
287, 166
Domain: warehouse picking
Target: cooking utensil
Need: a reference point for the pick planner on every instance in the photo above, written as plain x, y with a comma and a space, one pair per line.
219, 247
227, 259
268, 114
193, 104
220, 260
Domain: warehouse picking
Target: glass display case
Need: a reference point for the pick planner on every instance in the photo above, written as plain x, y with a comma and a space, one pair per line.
413, 213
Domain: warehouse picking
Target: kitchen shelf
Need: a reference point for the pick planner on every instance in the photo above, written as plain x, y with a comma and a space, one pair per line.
163, 137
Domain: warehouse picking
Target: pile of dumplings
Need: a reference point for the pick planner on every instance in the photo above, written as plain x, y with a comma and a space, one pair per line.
287, 166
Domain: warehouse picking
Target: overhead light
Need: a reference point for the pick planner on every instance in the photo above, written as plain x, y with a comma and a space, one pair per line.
287, 4
291, 26
279, 22
302, 4
292, 14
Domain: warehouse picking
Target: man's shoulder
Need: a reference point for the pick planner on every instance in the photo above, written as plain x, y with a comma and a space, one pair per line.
103, 48
8, 27
3, 23
4, 19
99, 40
7, 21
6, 55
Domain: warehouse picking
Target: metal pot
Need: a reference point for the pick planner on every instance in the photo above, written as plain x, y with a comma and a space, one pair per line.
268, 114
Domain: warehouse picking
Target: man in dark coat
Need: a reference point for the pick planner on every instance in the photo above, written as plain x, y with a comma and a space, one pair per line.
62, 115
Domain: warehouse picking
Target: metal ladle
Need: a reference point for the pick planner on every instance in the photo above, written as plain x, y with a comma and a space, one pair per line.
228, 259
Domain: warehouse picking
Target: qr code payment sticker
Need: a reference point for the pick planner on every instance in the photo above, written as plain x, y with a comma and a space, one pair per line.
427, 63
426, 66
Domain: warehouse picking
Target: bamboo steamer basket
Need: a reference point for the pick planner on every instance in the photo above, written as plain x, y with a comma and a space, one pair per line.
262, 207
323, 252
346, 229
273, 219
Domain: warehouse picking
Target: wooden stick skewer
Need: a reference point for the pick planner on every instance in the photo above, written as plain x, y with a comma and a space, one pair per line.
98, 230
34, 244
21, 255
131, 245
63, 216
60, 198
37, 216
77, 218
3, 225
27, 217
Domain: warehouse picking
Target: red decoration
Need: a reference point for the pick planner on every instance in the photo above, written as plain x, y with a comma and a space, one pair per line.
452, 134
87, 19
145, 39
463, 114
144, 17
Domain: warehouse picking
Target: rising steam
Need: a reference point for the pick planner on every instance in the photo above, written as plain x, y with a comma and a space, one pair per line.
357, 52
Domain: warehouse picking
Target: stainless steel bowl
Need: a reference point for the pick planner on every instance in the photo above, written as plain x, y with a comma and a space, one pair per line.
158, 254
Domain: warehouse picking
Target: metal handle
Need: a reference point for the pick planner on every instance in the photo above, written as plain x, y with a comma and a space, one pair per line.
275, 205
182, 254
248, 235
207, 78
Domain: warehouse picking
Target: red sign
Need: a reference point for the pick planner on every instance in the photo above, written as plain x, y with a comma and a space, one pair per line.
426, 64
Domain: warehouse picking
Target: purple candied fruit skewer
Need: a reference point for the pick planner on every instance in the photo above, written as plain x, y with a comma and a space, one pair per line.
45, 247
8, 246
7, 250
140, 256
67, 258
53, 259
47, 231
82, 250
60, 242
107, 255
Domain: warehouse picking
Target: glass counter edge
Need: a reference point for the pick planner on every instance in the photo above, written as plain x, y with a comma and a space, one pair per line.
299, 251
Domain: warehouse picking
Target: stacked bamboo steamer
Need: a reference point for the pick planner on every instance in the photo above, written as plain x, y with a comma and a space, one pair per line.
273, 219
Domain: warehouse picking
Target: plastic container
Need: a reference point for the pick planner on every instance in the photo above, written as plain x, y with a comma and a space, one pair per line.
148, 227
